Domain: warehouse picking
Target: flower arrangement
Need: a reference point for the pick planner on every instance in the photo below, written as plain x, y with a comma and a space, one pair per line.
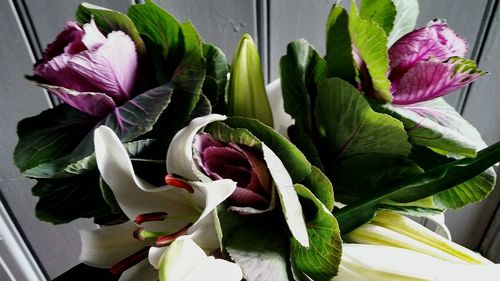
172, 151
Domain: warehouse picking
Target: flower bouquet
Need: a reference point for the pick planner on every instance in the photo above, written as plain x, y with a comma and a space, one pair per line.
172, 151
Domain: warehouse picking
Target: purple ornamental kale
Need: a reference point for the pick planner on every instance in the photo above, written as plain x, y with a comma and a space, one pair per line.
236, 162
89, 71
427, 63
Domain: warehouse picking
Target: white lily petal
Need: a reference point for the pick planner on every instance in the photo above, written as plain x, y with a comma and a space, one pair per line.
155, 254
108, 245
224, 270
209, 195
288, 196
369, 262
142, 271
282, 120
441, 228
184, 260
134, 195
179, 259
180, 152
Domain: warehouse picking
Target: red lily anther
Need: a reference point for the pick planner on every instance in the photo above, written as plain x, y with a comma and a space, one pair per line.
155, 216
163, 241
130, 261
176, 182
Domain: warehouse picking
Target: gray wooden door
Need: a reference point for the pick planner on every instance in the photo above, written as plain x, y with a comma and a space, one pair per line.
28, 25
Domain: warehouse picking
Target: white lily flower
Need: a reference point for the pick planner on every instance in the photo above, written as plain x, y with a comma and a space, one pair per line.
186, 261
167, 211
361, 262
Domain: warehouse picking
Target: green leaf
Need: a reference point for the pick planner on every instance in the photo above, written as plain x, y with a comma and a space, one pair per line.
382, 12
359, 176
322, 259
437, 125
202, 108
187, 79
305, 144
350, 127
163, 37
109, 20
130, 120
301, 69
109, 197
260, 248
224, 133
247, 95
295, 162
406, 19
214, 86
50, 135
340, 62
418, 187
64, 200
371, 43
462, 194
319, 184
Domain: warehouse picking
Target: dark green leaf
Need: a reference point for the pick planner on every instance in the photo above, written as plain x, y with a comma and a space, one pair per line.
163, 37
50, 135
261, 250
64, 200
202, 108
215, 83
464, 193
418, 187
339, 60
382, 12
350, 127
321, 187
322, 259
224, 133
295, 162
108, 20
129, 121
304, 142
301, 69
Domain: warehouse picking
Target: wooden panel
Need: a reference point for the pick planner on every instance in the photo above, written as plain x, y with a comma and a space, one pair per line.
49, 16
466, 18
293, 19
220, 22
56, 247
482, 110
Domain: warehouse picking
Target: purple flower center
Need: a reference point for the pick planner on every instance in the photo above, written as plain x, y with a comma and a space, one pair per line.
239, 163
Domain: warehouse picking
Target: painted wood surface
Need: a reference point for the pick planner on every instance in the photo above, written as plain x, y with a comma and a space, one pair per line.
219, 22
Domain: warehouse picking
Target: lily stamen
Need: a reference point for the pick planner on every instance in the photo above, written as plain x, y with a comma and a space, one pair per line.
163, 241
176, 182
130, 261
156, 216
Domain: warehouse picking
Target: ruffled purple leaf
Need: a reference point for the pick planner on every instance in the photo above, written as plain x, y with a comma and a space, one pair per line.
436, 40
432, 79
95, 104
56, 72
93, 38
69, 41
111, 68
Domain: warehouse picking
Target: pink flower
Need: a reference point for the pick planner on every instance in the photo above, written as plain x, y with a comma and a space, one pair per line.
89, 71
428, 63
